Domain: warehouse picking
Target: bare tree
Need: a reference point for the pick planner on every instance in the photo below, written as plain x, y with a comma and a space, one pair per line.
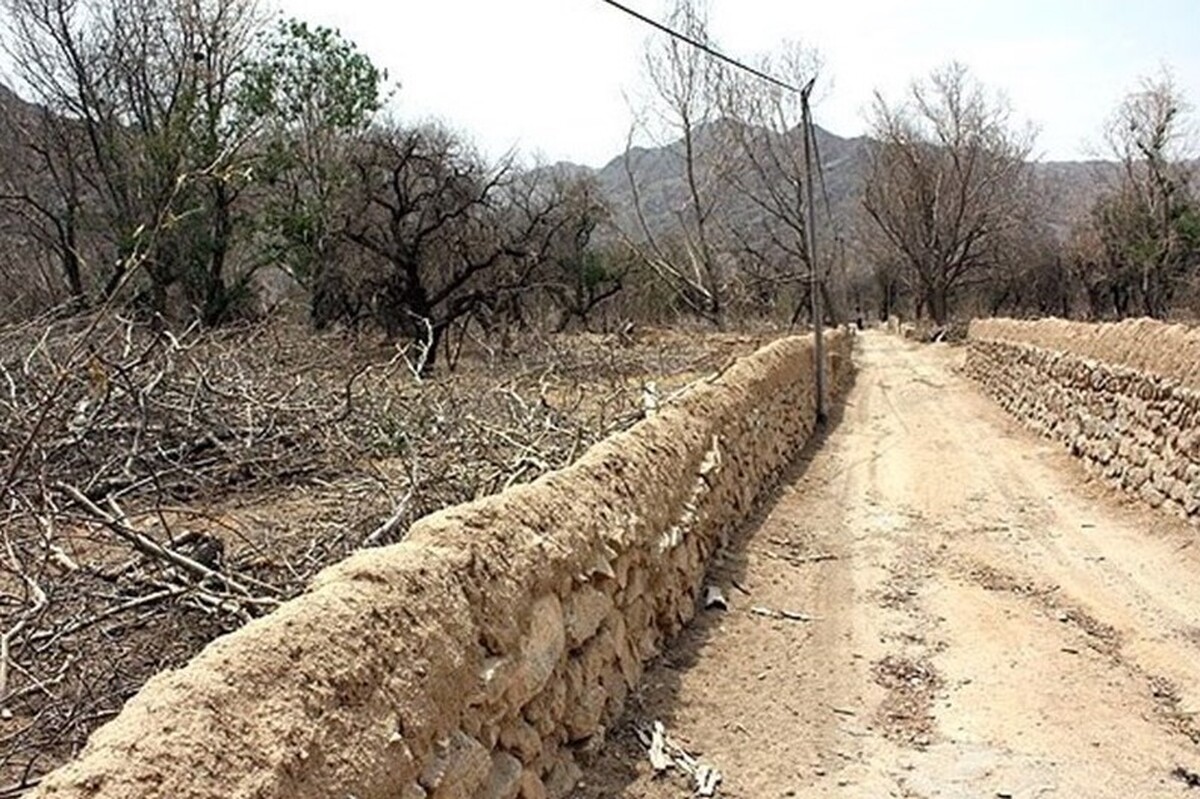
766, 127
42, 196
684, 105
450, 239
945, 180
1028, 272
581, 277
223, 38
1149, 223
1087, 265
139, 95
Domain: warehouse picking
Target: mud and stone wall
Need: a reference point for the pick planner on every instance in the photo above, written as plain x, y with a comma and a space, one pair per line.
485, 655
1124, 397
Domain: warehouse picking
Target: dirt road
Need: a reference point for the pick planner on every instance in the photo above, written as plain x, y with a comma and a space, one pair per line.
986, 621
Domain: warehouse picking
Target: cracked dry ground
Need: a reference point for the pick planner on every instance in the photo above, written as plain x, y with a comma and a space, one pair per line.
988, 621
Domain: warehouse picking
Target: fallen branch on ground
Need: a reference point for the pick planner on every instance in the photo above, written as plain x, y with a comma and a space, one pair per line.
788, 615
147, 546
665, 754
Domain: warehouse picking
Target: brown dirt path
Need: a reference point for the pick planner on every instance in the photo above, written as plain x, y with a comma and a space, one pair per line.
993, 624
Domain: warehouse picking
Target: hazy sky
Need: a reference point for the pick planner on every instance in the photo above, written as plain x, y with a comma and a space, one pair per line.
551, 76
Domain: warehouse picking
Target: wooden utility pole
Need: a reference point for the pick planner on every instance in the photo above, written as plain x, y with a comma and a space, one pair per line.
811, 240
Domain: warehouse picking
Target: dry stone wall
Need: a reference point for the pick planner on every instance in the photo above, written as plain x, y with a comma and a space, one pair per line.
485, 655
1124, 397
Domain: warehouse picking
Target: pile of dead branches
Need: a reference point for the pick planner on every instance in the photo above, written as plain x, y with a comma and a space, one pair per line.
158, 488
118, 409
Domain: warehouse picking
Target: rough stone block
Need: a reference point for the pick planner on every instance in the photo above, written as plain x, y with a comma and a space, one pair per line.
504, 780
495, 678
519, 737
585, 611
585, 711
563, 776
546, 710
458, 769
532, 786
541, 649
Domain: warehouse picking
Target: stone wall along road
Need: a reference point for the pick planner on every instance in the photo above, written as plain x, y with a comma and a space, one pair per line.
1124, 397
479, 656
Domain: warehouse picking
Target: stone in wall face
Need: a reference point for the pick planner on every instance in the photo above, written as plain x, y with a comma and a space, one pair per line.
495, 678
635, 585
1189, 444
458, 769
627, 660
546, 710
585, 711
615, 692
563, 776
541, 650
520, 738
585, 611
504, 780
532, 786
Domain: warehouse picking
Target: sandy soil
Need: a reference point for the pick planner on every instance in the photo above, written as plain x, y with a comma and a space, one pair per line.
987, 621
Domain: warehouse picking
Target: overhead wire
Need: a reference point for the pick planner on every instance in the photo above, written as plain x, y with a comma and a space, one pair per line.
699, 45
740, 65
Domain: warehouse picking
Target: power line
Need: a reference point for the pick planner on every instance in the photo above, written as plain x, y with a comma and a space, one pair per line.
700, 45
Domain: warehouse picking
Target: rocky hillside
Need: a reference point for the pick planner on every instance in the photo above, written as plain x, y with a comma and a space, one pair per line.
1067, 188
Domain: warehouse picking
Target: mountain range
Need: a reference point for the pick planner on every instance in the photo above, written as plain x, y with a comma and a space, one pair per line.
1066, 190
